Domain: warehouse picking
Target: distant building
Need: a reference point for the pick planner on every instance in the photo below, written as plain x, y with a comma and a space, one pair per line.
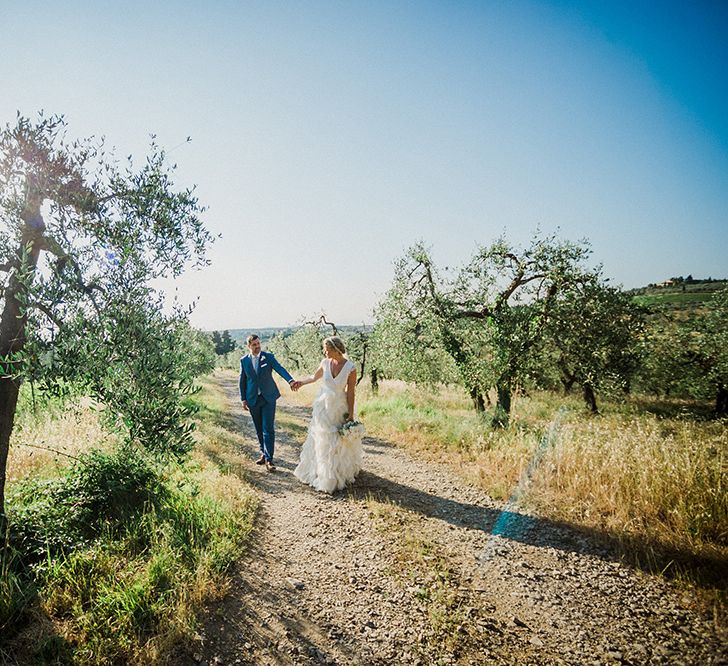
666, 283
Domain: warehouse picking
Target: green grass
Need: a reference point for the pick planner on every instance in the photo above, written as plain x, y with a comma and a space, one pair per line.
111, 557
673, 298
131, 597
678, 296
418, 414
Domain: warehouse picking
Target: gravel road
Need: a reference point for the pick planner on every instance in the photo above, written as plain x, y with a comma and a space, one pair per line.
403, 568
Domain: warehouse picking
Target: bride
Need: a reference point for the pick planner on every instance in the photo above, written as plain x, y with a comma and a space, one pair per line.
329, 461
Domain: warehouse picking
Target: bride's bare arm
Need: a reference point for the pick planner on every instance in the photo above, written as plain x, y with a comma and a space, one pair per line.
351, 392
313, 378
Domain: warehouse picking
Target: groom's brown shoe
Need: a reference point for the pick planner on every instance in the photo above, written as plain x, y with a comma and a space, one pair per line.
270, 466
260, 461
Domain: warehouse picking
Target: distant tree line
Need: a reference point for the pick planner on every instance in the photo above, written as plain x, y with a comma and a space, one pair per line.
223, 342
683, 282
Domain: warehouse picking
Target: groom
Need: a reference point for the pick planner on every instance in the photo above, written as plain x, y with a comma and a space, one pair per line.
259, 393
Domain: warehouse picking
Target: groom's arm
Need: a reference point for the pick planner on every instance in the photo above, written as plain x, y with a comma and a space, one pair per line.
243, 383
280, 369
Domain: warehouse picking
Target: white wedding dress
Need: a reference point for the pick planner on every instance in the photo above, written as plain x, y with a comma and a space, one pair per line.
329, 462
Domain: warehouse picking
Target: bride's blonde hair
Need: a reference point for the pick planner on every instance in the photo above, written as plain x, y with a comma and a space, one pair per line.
335, 342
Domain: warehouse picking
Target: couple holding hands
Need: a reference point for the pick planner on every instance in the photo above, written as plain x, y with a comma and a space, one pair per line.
328, 461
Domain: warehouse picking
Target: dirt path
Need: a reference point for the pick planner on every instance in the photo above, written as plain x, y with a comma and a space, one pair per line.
403, 568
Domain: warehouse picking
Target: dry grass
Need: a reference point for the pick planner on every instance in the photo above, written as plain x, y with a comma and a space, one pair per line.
48, 439
655, 483
442, 426
657, 479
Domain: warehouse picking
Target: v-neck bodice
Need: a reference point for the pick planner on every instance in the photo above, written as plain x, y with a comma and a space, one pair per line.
329, 378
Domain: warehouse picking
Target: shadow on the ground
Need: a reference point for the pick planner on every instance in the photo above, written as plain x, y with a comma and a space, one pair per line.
535, 531
34, 640
708, 570
284, 637
674, 407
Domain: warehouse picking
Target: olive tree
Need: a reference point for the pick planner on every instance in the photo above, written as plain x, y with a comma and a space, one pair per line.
703, 344
301, 349
82, 234
406, 340
596, 333
490, 315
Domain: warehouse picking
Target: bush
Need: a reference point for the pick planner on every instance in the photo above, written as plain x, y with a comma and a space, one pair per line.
120, 552
97, 494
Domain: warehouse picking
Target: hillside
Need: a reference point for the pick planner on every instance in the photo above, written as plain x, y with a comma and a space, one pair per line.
240, 334
678, 293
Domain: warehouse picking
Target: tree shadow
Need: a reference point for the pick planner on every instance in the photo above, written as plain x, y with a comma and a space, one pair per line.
674, 407
706, 570
34, 641
225, 419
648, 555
284, 637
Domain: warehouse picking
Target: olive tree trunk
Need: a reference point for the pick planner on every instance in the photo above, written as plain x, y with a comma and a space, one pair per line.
590, 398
12, 338
721, 401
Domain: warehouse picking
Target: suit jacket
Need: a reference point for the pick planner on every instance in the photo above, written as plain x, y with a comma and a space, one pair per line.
252, 383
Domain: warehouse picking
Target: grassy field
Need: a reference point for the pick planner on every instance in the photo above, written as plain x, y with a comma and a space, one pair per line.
128, 549
653, 483
678, 296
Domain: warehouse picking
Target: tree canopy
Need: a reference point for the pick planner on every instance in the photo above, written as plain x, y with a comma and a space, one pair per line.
489, 316
83, 233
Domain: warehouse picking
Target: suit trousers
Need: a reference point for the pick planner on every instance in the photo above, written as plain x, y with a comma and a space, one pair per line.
264, 417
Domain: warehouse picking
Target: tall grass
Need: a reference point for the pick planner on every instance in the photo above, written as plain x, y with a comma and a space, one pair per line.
111, 554
442, 425
49, 434
660, 479
657, 483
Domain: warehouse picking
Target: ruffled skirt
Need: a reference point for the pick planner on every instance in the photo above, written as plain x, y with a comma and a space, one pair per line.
328, 461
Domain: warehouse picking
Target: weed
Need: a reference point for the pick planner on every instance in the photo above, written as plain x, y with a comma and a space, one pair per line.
112, 555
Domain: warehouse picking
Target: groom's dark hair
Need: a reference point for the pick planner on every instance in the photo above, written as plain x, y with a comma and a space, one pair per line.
251, 337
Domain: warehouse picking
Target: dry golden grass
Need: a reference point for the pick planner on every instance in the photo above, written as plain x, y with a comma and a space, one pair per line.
46, 440
219, 452
655, 483
442, 426
660, 479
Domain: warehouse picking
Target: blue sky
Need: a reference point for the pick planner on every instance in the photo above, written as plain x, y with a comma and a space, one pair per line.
329, 136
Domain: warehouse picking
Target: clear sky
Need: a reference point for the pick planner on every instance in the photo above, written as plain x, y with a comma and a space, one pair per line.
329, 136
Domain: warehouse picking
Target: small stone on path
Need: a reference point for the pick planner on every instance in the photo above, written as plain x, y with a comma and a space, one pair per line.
294, 583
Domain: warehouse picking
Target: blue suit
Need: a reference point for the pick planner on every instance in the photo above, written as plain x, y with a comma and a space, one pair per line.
261, 393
